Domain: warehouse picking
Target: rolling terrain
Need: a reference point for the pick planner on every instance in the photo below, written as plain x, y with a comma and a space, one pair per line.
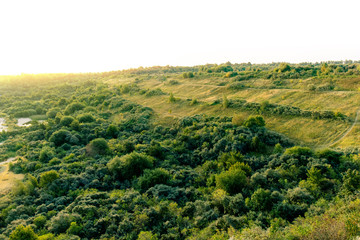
230, 151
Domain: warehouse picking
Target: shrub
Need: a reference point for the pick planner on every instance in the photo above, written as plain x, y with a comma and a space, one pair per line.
152, 177
225, 102
112, 131
172, 98
60, 223
52, 112
66, 121
235, 86
232, 181
261, 200
46, 154
188, 75
230, 74
154, 92
23, 233
298, 151
147, 236
254, 122
40, 221
98, 146
73, 107
278, 148
60, 137
331, 155
86, 118
173, 82
47, 178
130, 165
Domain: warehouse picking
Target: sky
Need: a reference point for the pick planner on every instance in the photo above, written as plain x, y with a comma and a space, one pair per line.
54, 36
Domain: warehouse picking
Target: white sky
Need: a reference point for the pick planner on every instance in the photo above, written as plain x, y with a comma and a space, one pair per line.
93, 36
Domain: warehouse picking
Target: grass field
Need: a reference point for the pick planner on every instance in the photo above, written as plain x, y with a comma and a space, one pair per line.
307, 131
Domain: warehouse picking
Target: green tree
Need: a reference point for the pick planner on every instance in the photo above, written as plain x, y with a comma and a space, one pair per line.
66, 121
23, 233
261, 200
74, 228
264, 105
98, 146
152, 177
278, 148
298, 151
86, 118
232, 181
226, 102
147, 235
48, 177
52, 112
60, 223
46, 154
73, 107
172, 98
130, 165
254, 122
60, 137
40, 221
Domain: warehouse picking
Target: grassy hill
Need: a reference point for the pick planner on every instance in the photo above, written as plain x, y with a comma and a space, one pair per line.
338, 93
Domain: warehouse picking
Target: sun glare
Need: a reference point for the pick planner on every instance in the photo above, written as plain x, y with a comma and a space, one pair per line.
93, 36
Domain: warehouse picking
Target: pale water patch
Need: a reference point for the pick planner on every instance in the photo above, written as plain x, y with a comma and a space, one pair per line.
7, 161
2, 126
23, 122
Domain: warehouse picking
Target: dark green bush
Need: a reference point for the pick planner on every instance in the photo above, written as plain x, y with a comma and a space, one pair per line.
130, 165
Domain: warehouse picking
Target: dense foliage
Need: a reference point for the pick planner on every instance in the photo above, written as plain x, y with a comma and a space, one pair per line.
101, 167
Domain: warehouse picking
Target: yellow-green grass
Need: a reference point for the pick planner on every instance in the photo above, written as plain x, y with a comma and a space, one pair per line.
38, 117
338, 101
315, 133
8, 179
305, 131
352, 139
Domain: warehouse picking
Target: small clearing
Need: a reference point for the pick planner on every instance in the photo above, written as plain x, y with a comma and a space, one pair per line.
7, 178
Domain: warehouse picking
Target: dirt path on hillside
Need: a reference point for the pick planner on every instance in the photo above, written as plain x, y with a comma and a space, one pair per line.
342, 136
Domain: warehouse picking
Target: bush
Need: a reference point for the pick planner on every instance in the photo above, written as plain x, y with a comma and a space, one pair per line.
331, 155
254, 122
147, 236
86, 118
172, 98
232, 181
52, 112
130, 165
73, 107
226, 102
188, 75
46, 154
66, 121
152, 177
98, 146
40, 221
154, 92
47, 178
298, 151
235, 86
230, 74
261, 200
23, 233
60, 137
60, 223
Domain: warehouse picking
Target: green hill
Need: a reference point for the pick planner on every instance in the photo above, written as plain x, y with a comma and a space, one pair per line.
237, 151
